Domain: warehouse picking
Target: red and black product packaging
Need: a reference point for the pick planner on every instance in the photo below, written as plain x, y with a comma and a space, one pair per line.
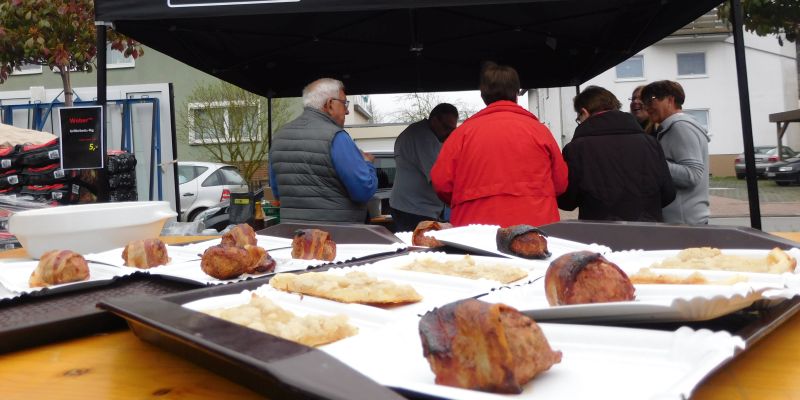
62, 193
37, 155
10, 178
9, 157
47, 175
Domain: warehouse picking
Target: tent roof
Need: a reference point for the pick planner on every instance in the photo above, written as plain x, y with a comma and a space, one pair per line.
391, 46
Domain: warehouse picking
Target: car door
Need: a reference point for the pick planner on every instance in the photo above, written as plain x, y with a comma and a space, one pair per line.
189, 185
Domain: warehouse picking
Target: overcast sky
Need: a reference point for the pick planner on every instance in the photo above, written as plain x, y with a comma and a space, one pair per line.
387, 104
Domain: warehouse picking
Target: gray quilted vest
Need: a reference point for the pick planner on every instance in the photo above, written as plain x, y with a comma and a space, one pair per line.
310, 189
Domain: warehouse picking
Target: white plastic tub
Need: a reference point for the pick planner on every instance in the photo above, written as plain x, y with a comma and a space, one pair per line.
88, 228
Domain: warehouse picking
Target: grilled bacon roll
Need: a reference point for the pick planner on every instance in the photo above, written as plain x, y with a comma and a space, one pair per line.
419, 238
522, 241
585, 277
260, 261
146, 253
489, 347
57, 267
228, 262
313, 244
239, 236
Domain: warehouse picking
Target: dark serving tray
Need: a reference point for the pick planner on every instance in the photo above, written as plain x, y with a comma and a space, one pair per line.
49, 316
249, 360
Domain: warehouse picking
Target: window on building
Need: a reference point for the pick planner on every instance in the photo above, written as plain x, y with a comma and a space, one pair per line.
223, 122
28, 69
701, 116
691, 64
115, 59
632, 68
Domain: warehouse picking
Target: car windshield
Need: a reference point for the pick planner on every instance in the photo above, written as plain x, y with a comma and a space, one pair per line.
766, 150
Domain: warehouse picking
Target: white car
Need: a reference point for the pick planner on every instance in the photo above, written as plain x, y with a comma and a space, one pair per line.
204, 184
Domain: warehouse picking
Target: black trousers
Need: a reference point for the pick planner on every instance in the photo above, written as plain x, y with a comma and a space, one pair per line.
407, 222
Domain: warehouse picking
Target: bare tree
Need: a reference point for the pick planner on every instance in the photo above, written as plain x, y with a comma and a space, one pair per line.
231, 125
417, 106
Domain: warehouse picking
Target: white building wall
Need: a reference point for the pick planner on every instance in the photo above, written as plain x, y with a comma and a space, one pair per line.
772, 82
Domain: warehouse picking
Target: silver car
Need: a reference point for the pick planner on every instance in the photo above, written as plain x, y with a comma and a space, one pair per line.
204, 184
765, 157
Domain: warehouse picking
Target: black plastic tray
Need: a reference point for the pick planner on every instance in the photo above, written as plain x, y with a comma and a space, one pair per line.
207, 341
49, 316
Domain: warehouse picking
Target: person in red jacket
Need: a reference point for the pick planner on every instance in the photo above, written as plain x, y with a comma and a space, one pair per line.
501, 166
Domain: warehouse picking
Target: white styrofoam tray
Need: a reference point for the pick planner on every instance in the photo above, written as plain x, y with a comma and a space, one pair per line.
88, 228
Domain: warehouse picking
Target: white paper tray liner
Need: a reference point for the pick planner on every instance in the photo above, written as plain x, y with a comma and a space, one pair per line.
598, 362
14, 276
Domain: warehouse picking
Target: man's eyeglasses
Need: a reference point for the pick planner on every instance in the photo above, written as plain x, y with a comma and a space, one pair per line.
634, 98
649, 100
345, 102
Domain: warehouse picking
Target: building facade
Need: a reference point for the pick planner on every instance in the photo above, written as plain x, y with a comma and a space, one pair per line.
701, 58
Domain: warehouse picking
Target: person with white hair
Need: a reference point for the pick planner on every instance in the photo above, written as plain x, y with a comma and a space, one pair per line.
315, 168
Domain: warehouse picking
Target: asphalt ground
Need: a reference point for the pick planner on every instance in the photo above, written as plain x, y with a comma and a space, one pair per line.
728, 197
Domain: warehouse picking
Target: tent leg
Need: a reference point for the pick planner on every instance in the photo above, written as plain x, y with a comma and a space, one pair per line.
744, 107
102, 83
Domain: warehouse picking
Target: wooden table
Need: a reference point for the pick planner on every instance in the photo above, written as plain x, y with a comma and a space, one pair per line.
120, 366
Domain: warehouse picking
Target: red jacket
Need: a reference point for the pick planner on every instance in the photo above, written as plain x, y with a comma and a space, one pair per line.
501, 167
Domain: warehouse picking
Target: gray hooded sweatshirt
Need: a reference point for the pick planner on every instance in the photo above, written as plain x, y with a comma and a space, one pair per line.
685, 144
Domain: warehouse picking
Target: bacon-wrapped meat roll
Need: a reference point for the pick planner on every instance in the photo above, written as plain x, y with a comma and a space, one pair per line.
522, 241
313, 244
240, 235
419, 238
490, 347
57, 267
585, 277
147, 253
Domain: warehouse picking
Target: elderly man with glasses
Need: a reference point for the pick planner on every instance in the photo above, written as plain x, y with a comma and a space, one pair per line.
316, 170
685, 145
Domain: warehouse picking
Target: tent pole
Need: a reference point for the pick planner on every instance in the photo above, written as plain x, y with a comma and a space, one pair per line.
744, 108
102, 83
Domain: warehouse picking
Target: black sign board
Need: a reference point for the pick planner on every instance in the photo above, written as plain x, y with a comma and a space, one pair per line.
81, 137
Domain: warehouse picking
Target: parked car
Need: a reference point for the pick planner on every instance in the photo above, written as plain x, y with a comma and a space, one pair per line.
785, 172
765, 157
205, 184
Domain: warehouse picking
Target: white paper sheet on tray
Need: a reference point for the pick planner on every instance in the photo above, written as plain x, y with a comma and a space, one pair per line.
176, 254
632, 261
192, 272
14, 276
365, 318
482, 238
597, 363
654, 303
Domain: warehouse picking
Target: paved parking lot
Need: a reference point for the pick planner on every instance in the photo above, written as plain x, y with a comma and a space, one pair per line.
779, 205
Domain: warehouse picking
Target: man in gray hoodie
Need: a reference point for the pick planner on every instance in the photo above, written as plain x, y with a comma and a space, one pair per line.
685, 145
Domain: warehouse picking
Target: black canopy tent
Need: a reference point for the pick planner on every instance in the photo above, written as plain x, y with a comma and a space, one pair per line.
274, 48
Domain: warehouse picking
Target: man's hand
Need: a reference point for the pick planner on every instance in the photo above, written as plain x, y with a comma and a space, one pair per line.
368, 157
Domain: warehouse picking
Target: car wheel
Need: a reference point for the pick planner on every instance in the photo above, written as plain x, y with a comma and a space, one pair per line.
782, 183
194, 213
739, 176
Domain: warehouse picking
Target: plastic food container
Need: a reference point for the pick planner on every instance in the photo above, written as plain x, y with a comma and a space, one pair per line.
89, 228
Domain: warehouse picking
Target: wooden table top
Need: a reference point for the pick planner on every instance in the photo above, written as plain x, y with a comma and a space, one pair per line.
120, 366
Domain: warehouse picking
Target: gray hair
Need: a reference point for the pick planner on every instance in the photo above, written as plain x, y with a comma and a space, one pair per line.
316, 93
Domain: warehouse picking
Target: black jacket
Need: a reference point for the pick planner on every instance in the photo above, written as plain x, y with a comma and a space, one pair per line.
616, 171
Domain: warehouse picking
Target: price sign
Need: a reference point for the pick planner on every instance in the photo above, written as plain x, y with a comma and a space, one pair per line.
81, 137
